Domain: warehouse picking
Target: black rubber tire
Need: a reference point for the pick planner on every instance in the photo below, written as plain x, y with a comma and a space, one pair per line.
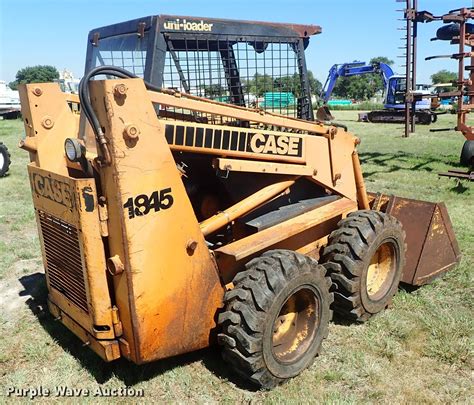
423, 118
6, 159
253, 305
348, 255
448, 32
467, 154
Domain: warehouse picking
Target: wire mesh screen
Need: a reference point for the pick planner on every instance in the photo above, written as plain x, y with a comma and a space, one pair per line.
126, 51
246, 73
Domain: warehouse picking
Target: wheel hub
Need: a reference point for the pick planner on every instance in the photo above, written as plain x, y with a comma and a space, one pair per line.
381, 271
295, 326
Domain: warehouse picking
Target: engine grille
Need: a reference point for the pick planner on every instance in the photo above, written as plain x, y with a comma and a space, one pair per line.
63, 259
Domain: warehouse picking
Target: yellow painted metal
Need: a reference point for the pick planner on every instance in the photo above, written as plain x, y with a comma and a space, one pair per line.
261, 240
362, 197
318, 141
231, 256
193, 103
74, 201
170, 288
381, 271
244, 206
282, 147
295, 326
250, 166
167, 286
49, 120
108, 350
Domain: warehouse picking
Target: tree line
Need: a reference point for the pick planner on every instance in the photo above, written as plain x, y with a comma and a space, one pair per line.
35, 74
260, 84
359, 88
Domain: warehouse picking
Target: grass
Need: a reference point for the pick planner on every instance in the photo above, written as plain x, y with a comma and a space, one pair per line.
418, 351
364, 106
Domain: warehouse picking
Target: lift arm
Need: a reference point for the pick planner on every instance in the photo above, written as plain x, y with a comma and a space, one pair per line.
354, 69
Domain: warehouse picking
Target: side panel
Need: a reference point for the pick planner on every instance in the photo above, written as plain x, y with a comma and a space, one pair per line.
73, 252
170, 290
48, 121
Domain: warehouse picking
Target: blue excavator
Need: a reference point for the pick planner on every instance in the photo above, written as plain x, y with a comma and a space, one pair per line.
395, 89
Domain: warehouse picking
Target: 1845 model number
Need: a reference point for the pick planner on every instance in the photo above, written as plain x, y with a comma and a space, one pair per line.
142, 204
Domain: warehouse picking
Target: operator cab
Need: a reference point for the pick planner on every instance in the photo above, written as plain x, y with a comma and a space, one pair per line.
395, 94
250, 64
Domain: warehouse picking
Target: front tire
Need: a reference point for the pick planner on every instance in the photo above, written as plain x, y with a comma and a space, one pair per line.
365, 258
275, 317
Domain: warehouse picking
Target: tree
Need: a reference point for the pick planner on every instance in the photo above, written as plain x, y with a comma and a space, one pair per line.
357, 87
362, 87
261, 84
382, 59
444, 76
213, 90
35, 74
314, 84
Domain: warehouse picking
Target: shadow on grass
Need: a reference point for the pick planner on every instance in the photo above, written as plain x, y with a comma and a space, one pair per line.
408, 288
459, 187
342, 321
128, 372
394, 162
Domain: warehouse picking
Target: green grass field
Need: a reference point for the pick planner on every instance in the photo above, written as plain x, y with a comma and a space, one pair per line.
418, 351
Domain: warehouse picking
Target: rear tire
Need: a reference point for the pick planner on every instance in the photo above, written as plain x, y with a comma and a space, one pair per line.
467, 154
365, 258
275, 317
423, 118
4, 159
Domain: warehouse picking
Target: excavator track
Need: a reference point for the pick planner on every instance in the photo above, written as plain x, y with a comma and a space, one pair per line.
392, 116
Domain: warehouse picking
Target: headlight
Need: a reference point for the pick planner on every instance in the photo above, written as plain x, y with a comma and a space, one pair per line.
74, 150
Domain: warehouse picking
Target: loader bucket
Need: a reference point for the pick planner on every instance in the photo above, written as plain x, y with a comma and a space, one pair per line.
432, 248
324, 114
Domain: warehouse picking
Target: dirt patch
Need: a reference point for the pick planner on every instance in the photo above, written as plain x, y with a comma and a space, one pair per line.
19, 286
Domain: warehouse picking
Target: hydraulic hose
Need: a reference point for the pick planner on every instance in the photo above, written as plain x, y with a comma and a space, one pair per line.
84, 97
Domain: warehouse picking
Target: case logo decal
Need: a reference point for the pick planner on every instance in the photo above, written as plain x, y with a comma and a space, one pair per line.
53, 190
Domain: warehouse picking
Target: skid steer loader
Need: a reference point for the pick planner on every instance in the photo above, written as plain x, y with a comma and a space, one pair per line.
175, 212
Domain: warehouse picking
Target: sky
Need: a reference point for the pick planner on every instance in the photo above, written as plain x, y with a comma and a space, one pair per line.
54, 32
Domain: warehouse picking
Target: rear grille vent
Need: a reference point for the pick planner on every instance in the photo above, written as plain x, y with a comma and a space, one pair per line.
64, 259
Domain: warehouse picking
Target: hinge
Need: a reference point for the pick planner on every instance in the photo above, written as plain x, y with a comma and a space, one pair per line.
141, 29
103, 217
118, 330
95, 39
